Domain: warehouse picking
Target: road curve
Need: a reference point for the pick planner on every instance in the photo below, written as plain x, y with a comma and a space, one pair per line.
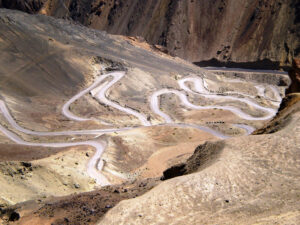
14, 124
200, 90
66, 107
185, 101
260, 91
92, 164
95, 164
249, 130
202, 128
99, 89
100, 96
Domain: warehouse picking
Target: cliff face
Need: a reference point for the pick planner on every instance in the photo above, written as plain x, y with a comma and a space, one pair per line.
197, 30
29, 6
294, 74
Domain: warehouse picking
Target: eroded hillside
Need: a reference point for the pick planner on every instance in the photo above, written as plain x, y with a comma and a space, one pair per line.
249, 180
245, 180
265, 32
103, 116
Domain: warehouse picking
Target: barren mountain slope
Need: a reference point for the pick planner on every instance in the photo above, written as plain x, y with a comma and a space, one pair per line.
220, 190
248, 180
42, 66
67, 90
30, 6
90, 109
262, 31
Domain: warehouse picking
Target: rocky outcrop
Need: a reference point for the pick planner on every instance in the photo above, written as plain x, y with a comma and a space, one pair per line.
29, 6
262, 32
201, 30
84, 208
289, 105
295, 77
203, 156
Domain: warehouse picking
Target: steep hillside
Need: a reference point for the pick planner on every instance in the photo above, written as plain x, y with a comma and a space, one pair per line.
29, 6
81, 109
264, 32
294, 74
249, 180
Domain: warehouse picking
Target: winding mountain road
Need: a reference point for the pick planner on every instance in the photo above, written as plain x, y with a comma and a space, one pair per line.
92, 164
100, 96
98, 90
200, 90
5, 112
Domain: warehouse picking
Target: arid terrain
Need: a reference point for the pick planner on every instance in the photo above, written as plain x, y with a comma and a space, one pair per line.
98, 128
237, 33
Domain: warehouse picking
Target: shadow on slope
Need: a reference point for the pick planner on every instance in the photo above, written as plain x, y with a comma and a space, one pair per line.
203, 157
265, 64
206, 154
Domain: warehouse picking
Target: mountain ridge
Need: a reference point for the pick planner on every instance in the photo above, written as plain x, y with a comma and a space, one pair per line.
197, 30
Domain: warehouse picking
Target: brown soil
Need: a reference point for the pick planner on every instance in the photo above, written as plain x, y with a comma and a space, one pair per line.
85, 208
14, 152
294, 74
290, 104
203, 156
264, 32
88, 207
245, 180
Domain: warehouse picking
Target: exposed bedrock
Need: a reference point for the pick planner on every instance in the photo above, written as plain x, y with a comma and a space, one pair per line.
262, 32
30, 6
294, 74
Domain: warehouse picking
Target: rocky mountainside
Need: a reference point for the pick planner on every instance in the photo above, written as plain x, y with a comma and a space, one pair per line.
259, 33
29, 6
107, 129
294, 74
101, 128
